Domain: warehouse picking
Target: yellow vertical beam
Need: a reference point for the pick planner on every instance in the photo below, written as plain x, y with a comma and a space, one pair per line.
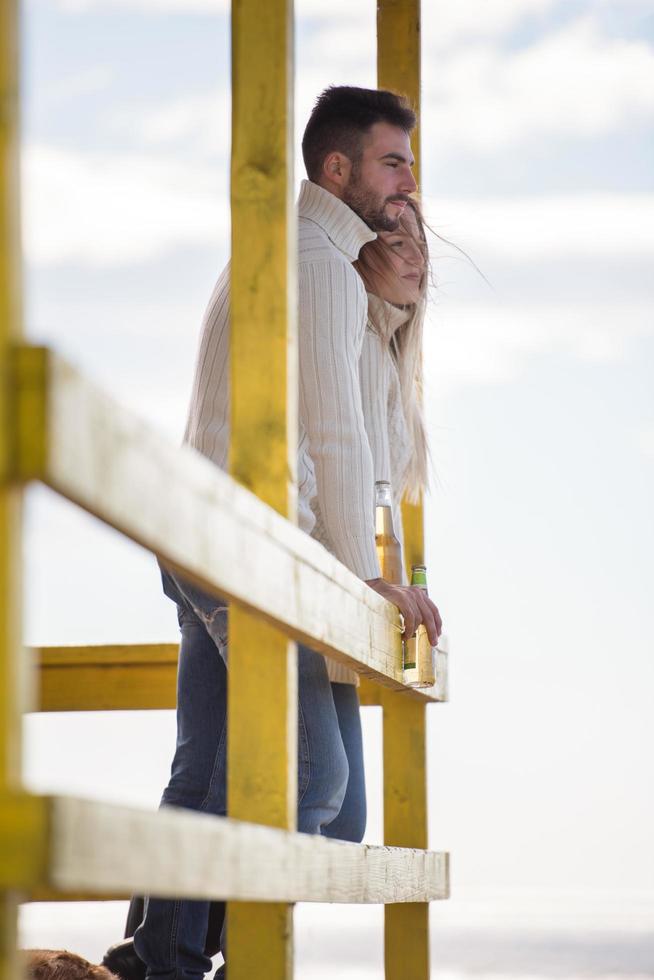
398, 56
262, 733
10, 332
10, 498
406, 927
398, 69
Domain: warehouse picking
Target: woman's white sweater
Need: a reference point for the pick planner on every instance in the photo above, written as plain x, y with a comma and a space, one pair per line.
383, 414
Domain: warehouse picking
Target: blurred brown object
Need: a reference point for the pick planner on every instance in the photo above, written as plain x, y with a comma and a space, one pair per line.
60, 964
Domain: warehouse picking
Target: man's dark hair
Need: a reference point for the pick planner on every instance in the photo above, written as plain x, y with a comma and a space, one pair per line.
343, 115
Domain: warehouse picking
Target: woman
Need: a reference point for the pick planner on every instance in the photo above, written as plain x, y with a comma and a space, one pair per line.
394, 270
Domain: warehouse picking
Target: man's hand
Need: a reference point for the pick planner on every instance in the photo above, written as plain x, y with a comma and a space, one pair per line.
414, 604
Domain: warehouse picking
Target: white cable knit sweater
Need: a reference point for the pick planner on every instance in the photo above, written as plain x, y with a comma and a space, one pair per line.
342, 443
386, 426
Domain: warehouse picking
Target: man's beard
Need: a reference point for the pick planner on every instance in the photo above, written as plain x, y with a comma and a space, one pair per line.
368, 205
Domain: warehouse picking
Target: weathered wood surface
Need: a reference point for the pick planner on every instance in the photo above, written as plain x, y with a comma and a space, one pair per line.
96, 847
139, 677
262, 731
398, 69
263, 300
398, 57
107, 677
262, 723
24, 840
406, 930
262, 739
44, 893
179, 505
12, 688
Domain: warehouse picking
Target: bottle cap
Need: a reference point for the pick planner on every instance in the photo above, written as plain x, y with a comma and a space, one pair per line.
419, 575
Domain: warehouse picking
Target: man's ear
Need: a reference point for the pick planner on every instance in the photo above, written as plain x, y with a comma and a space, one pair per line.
336, 170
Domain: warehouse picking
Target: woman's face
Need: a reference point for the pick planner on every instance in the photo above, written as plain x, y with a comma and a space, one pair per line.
407, 258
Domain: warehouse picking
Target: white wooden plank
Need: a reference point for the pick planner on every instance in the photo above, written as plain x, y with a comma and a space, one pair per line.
98, 847
181, 506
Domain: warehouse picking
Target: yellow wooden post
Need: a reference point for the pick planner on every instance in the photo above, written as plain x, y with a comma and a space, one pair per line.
262, 757
398, 69
406, 926
10, 497
398, 56
406, 940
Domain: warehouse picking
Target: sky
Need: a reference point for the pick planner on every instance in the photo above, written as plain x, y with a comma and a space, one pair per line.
537, 162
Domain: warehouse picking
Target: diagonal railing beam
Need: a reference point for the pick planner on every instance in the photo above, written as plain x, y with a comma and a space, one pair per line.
176, 503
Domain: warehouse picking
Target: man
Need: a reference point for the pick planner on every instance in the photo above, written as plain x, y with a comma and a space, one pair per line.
358, 158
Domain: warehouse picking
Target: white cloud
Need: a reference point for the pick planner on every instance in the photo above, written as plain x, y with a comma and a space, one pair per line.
475, 343
576, 82
644, 440
450, 20
207, 113
152, 6
445, 23
195, 126
86, 82
548, 226
311, 8
113, 210
479, 95
493, 17
103, 209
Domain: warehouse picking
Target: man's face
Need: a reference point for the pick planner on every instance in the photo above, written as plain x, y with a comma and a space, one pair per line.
381, 181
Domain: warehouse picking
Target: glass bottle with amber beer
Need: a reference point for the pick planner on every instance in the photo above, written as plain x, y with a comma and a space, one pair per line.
389, 551
419, 655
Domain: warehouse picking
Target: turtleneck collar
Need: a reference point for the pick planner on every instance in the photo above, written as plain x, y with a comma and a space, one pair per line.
387, 318
345, 229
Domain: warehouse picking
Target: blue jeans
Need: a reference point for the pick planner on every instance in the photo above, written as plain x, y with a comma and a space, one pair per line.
331, 790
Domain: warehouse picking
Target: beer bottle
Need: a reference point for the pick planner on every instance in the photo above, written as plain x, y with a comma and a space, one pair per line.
389, 552
419, 656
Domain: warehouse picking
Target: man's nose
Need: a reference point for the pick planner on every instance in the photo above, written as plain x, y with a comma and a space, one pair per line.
408, 182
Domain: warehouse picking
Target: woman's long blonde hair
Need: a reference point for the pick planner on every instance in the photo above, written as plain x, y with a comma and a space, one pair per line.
405, 345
